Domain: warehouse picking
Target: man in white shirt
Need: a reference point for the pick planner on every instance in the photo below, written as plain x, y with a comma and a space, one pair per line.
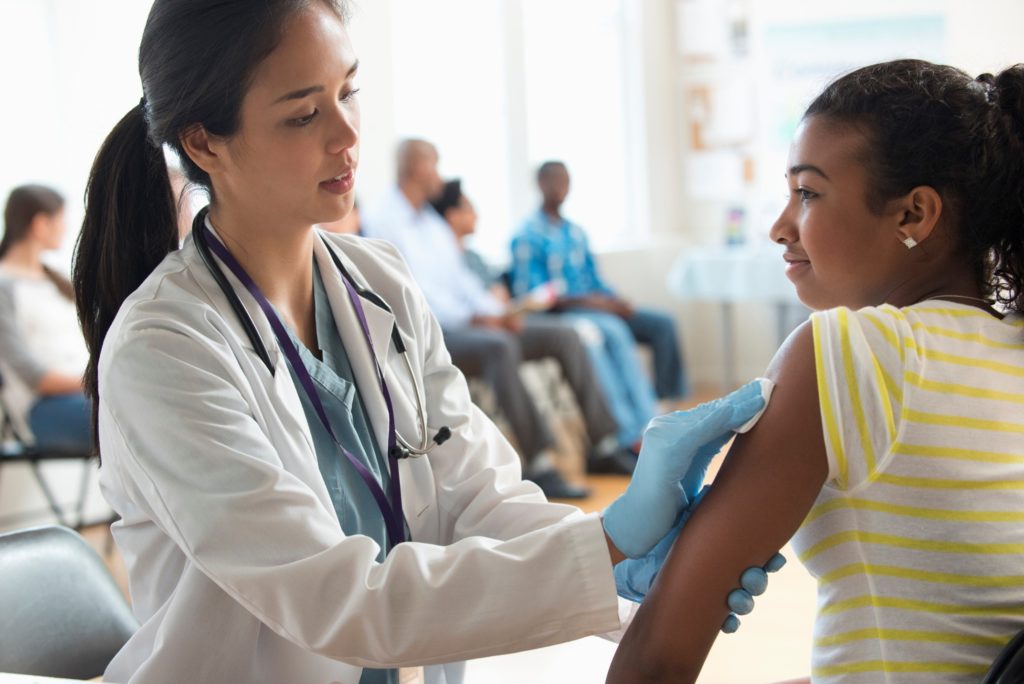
484, 338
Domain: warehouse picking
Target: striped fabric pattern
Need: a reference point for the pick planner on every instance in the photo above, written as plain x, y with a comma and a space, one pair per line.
917, 539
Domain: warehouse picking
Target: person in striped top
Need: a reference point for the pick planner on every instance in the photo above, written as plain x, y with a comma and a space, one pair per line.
893, 446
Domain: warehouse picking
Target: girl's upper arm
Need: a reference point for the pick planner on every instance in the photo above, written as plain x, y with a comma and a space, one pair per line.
766, 487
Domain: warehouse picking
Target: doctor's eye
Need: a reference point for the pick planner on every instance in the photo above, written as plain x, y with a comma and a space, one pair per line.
350, 95
302, 120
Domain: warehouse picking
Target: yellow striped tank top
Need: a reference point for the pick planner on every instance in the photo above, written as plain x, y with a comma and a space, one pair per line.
917, 539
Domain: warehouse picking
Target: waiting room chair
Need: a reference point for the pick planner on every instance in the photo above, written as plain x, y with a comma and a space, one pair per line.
15, 448
61, 614
1008, 667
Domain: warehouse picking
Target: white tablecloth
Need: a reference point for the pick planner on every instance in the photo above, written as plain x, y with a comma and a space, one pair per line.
728, 275
732, 274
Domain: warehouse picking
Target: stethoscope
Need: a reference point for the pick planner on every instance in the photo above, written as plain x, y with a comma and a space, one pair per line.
398, 447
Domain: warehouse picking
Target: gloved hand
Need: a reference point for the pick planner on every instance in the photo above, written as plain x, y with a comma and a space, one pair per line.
753, 582
676, 452
635, 576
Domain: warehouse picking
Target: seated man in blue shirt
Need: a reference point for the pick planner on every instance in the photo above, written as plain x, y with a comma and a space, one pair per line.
543, 335
483, 337
550, 249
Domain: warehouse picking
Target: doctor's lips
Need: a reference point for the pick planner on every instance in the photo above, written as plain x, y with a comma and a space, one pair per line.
340, 184
795, 264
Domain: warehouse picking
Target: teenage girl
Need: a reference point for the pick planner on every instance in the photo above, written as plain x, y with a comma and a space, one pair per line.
893, 443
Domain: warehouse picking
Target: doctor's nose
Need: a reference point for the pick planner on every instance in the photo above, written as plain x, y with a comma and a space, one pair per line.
344, 131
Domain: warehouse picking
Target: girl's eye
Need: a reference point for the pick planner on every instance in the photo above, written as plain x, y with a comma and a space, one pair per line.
302, 120
805, 195
350, 95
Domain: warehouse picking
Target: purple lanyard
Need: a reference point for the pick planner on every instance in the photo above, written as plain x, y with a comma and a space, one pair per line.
394, 518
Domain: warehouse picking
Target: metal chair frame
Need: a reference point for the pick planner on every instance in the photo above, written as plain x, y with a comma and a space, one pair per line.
15, 448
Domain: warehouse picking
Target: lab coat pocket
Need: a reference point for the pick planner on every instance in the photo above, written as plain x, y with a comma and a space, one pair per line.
417, 487
419, 500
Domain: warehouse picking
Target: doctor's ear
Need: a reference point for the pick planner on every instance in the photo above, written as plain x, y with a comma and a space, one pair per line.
205, 150
918, 213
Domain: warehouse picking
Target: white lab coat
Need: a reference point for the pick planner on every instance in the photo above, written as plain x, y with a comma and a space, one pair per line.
238, 568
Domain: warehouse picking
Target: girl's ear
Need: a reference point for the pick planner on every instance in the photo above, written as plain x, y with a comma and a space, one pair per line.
918, 213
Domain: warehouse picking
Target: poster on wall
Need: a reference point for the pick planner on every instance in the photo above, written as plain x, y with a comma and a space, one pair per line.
796, 60
800, 59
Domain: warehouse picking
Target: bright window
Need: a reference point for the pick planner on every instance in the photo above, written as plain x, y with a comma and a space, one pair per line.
577, 107
450, 89
70, 72
501, 86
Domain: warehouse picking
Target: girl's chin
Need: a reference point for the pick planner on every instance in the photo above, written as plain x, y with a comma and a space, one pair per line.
814, 299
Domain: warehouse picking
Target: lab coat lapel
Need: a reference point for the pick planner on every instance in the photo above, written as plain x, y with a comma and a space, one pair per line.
378, 321
292, 416
206, 281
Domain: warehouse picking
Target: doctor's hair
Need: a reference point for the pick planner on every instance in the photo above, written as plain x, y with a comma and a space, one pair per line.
196, 62
24, 204
932, 125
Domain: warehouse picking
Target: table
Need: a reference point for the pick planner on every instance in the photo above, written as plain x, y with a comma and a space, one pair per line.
741, 273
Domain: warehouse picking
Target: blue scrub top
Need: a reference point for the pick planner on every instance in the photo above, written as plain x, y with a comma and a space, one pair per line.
335, 383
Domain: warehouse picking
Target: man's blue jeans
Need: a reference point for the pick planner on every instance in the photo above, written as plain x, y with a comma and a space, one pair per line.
658, 330
612, 350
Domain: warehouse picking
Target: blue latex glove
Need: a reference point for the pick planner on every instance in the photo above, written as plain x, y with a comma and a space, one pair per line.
753, 582
673, 461
635, 576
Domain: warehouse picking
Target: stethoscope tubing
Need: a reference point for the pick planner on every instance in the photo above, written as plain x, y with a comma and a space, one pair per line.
426, 444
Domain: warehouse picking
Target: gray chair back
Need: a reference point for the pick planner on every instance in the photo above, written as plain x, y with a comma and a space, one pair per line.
61, 614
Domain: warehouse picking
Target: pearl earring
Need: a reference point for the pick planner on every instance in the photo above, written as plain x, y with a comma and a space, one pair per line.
910, 242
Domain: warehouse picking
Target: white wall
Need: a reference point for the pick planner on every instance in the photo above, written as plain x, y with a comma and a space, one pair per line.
985, 35
70, 72
371, 35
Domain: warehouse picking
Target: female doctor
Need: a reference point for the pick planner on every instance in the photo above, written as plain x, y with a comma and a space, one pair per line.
263, 396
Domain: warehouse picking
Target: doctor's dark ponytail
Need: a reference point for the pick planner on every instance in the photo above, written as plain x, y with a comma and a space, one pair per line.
196, 61
129, 227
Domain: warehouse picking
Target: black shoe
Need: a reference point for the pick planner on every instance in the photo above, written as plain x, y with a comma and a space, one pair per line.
554, 487
620, 462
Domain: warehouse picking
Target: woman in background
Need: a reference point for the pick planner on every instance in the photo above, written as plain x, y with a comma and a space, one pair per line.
42, 352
